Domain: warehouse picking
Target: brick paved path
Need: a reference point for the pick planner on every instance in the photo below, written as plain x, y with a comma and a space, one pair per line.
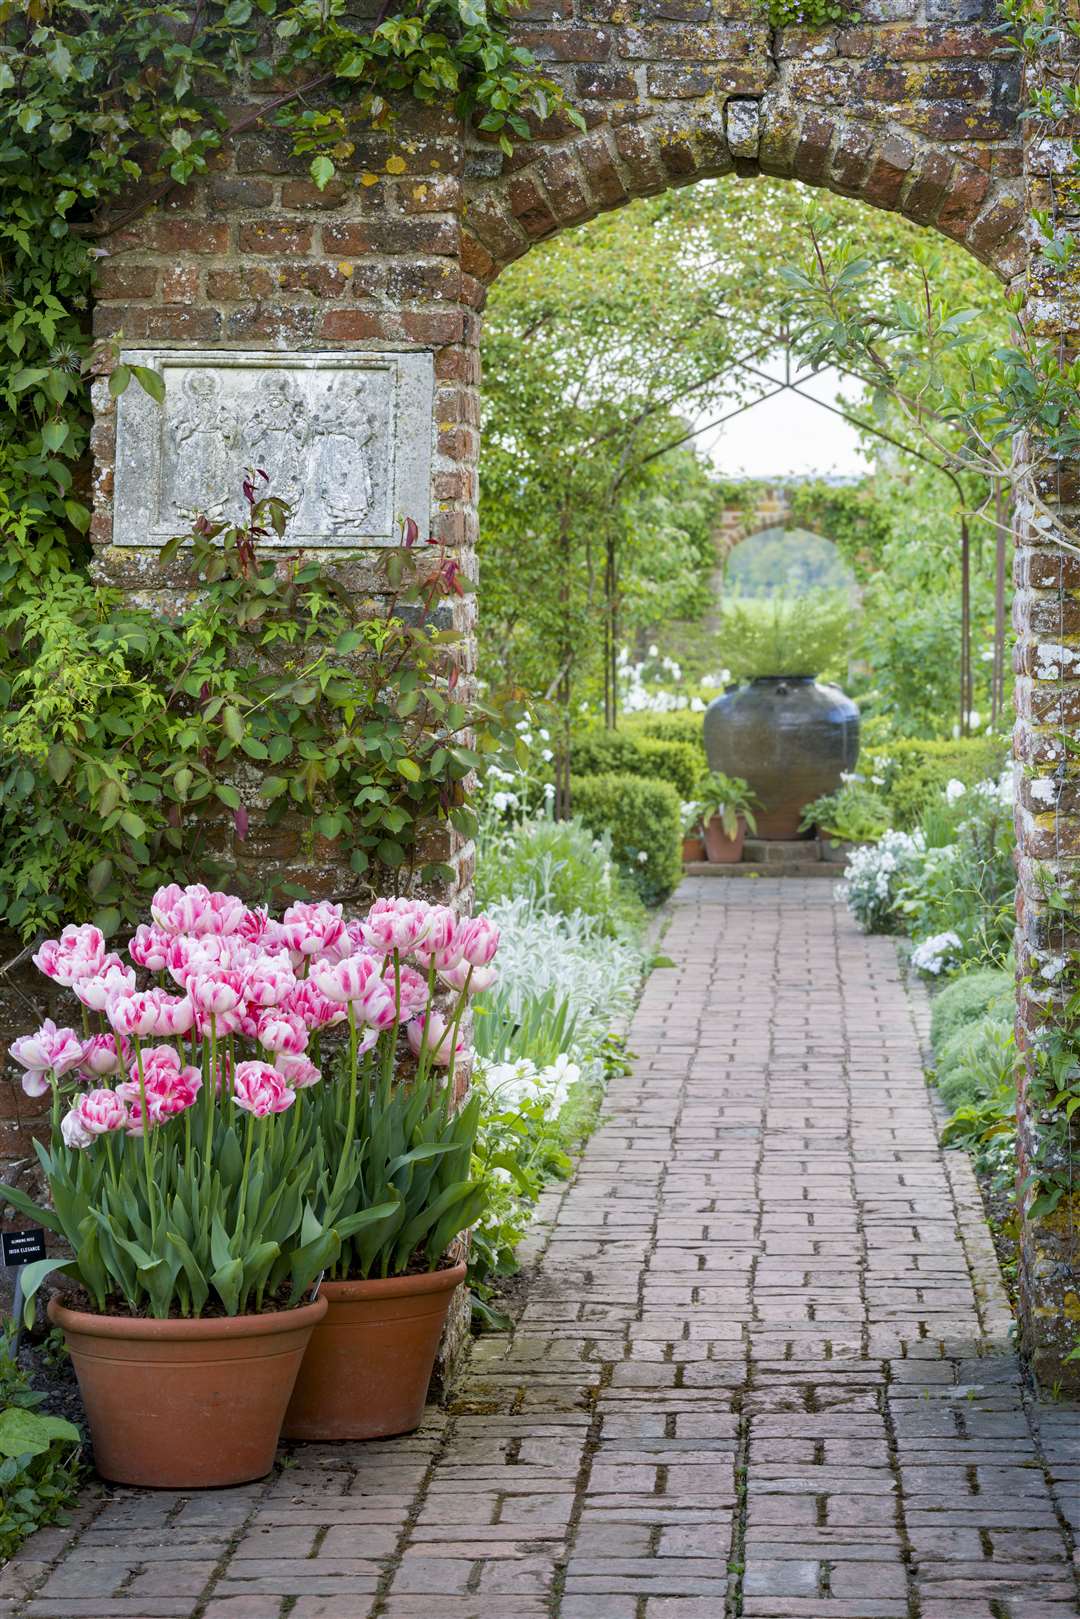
763, 1367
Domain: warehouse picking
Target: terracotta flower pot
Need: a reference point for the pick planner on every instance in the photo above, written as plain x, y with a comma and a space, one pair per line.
368, 1366
721, 849
693, 850
180, 1405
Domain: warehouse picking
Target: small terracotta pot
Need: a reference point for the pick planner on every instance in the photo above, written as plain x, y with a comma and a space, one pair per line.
179, 1405
721, 849
693, 850
368, 1366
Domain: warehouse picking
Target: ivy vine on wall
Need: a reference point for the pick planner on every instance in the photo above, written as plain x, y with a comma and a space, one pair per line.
129, 741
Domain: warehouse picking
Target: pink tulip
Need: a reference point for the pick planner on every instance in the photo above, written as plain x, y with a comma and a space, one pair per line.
50, 1050
282, 1031
479, 941
112, 978
269, 981
258, 928
78, 953
101, 1112
344, 980
74, 1131
438, 1038
213, 993
476, 979
261, 1090
442, 939
411, 990
149, 946
144, 1012
396, 924
133, 1012
376, 1006
315, 929
317, 1010
170, 1088
196, 909
297, 1071
105, 1053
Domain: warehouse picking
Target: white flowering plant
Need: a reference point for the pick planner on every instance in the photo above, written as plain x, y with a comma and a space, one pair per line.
964, 883
938, 954
873, 878
543, 1039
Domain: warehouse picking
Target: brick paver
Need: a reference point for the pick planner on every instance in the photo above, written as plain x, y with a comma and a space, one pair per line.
763, 1367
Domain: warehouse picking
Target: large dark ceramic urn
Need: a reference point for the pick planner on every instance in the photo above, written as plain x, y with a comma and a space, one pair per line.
789, 738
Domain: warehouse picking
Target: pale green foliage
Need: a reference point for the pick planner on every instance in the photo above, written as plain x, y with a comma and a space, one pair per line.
793, 635
971, 996
557, 867
570, 962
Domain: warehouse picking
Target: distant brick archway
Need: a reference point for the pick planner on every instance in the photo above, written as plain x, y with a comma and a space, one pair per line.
911, 110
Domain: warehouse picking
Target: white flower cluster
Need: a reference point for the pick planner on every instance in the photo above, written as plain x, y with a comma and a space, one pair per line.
934, 955
638, 698
510, 1084
873, 875
1001, 791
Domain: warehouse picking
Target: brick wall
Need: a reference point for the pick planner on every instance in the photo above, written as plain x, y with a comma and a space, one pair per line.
910, 110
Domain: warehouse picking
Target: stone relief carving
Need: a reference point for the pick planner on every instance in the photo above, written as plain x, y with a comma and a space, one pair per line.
344, 438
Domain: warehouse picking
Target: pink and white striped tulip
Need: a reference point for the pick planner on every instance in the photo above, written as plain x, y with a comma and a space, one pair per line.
438, 1039
441, 940
213, 993
411, 990
49, 1051
78, 953
112, 978
474, 979
197, 910
479, 939
268, 981
282, 1031
149, 947
261, 1090
101, 1112
171, 1088
344, 980
298, 1071
396, 924
317, 1010
105, 1053
315, 929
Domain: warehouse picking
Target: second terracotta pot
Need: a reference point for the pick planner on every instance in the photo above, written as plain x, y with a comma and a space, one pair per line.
721, 849
181, 1405
693, 850
367, 1368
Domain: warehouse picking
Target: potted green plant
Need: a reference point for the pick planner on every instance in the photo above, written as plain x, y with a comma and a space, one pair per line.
726, 811
206, 1177
852, 816
693, 833
787, 733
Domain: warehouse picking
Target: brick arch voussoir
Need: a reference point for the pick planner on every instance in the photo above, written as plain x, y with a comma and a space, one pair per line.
879, 163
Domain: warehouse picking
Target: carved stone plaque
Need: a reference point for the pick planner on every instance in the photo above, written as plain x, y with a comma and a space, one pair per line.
345, 438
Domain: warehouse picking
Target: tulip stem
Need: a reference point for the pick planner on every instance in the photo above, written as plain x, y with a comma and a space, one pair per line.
211, 1095
146, 1141
244, 1177
350, 1121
